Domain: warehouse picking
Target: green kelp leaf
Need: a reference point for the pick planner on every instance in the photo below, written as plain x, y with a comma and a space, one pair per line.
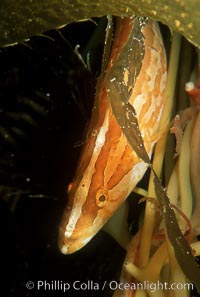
130, 58
19, 20
181, 248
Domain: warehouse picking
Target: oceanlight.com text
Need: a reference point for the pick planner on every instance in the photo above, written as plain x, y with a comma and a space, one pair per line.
59, 285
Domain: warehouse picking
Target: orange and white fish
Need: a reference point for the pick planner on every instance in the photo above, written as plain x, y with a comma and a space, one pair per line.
108, 168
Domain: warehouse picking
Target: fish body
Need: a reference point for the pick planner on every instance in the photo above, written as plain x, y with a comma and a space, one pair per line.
109, 169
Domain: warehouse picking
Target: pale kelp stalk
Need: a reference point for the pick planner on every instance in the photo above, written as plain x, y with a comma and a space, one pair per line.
185, 190
195, 173
149, 274
130, 127
195, 155
160, 147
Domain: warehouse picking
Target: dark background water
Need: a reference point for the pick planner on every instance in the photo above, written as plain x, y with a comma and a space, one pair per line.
46, 97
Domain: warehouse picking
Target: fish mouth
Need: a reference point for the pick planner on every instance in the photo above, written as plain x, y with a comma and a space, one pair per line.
70, 245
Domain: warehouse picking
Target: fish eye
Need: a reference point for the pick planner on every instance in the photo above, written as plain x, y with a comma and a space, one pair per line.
101, 197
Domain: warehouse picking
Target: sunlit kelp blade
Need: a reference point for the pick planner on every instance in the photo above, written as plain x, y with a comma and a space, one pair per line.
33, 17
